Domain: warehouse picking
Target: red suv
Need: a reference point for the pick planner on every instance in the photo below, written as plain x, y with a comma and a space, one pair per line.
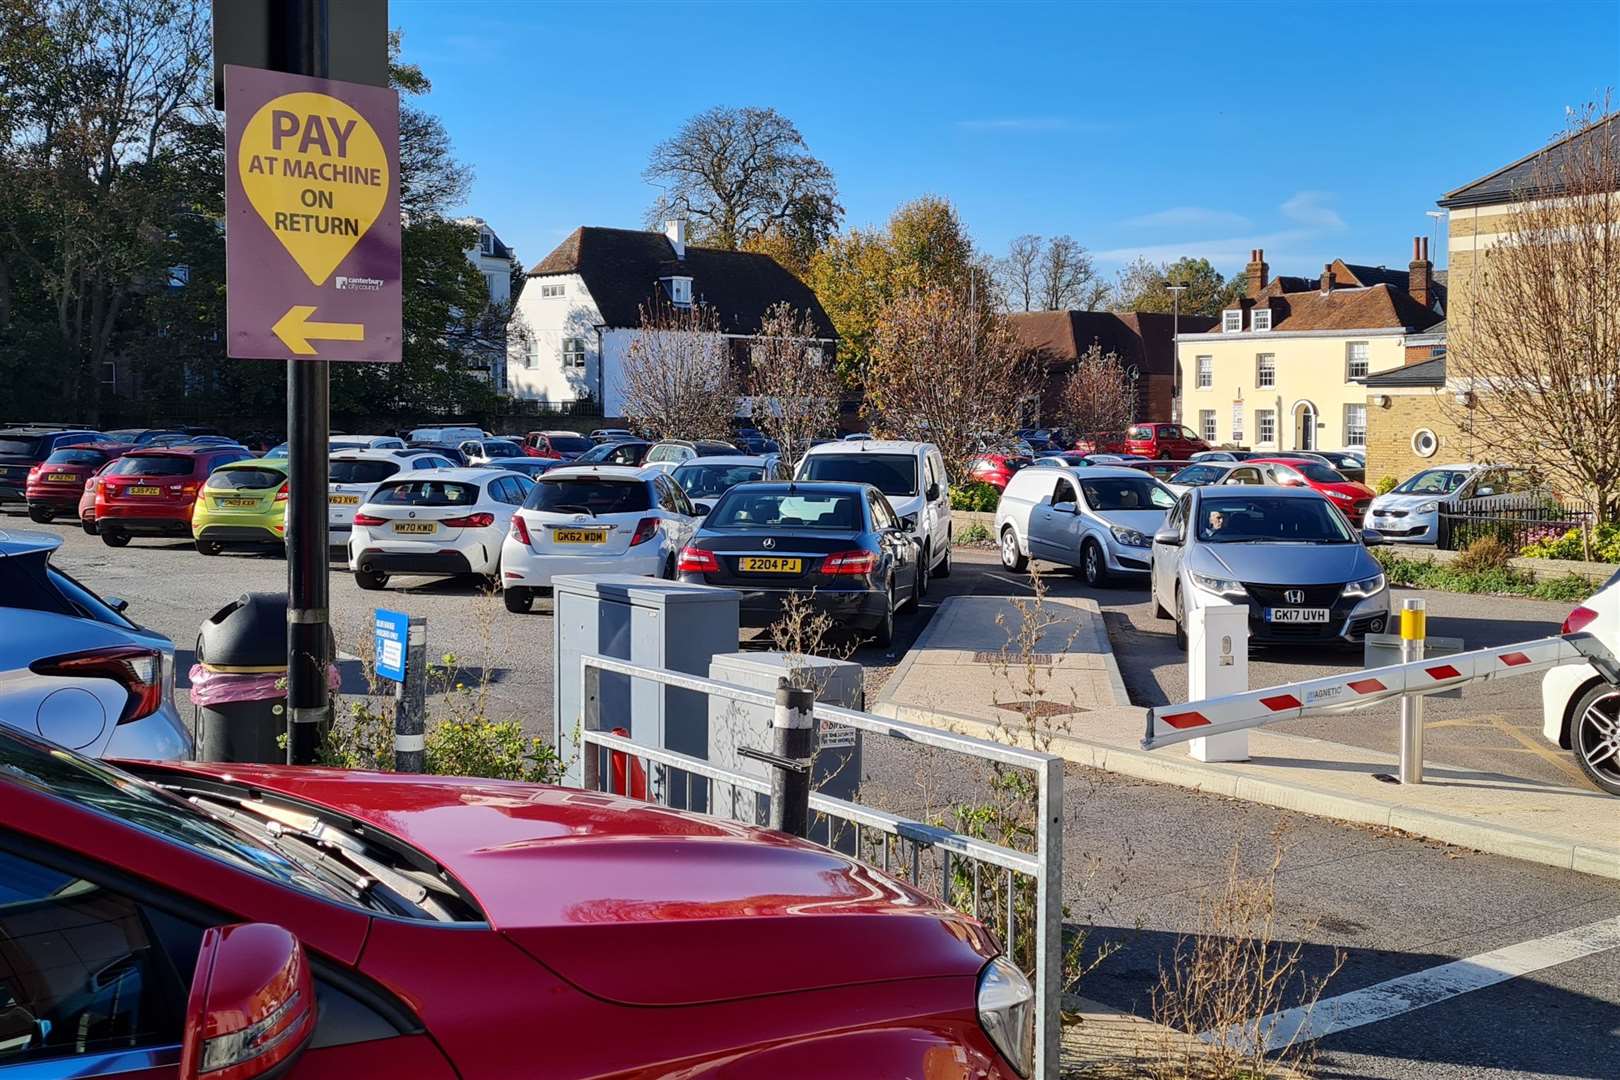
336, 924
151, 492
558, 445
1167, 441
55, 484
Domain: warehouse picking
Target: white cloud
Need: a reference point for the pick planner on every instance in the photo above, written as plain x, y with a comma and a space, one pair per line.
1305, 208
1190, 217
1025, 123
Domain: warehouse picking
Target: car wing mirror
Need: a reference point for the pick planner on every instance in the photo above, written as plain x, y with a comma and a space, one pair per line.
1372, 537
704, 509
1168, 537
251, 1009
907, 525
933, 492
117, 603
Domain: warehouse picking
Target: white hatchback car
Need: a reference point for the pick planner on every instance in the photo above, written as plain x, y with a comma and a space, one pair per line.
1099, 518
1579, 710
439, 523
911, 476
354, 474
595, 519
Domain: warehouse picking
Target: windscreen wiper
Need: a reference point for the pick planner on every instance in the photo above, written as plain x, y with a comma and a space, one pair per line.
575, 508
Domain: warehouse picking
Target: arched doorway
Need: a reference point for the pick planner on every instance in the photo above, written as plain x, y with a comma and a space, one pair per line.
1304, 426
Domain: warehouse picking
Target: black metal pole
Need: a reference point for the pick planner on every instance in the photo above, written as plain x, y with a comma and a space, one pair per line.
793, 739
299, 33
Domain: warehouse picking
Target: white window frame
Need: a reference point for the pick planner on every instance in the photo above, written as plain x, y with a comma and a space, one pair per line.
573, 352
1204, 372
1231, 322
1350, 430
486, 244
1350, 360
552, 289
1208, 425
1264, 418
531, 358
1260, 320
1265, 377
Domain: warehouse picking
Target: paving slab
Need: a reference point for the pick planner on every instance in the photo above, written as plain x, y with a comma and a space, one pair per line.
967, 673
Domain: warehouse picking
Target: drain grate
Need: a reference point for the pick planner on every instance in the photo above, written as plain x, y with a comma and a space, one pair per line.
1041, 708
1038, 659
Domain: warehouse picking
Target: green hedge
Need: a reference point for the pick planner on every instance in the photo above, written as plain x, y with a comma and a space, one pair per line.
1428, 574
975, 496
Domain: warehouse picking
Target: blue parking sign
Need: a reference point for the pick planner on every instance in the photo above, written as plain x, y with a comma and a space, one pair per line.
391, 631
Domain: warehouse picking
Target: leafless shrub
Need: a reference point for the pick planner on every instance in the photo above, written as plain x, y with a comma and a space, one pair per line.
1227, 984
793, 382
1535, 342
1100, 394
677, 378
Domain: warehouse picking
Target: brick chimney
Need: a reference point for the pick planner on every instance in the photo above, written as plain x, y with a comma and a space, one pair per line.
1421, 282
1327, 277
1257, 270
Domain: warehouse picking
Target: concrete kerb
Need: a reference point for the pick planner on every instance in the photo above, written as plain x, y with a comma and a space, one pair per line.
1238, 781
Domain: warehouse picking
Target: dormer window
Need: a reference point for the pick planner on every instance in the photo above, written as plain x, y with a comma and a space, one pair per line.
486, 243
1231, 322
1261, 319
679, 290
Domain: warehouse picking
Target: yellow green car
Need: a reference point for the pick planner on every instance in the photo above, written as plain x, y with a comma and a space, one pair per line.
241, 504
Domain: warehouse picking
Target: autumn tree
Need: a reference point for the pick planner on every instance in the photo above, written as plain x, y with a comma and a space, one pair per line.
1141, 287
677, 380
1535, 347
947, 370
792, 381
1099, 394
741, 174
1020, 273
857, 275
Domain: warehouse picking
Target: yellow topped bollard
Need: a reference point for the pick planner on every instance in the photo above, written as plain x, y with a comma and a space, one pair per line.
1413, 632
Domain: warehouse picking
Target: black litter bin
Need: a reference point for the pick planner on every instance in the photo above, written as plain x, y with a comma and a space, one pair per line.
239, 683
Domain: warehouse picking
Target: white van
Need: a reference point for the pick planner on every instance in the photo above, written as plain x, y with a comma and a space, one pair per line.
910, 474
451, 434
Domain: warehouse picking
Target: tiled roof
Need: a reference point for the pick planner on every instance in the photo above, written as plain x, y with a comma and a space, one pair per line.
1141, 339
1518, 180
1371, 308
622, 267
1424, 373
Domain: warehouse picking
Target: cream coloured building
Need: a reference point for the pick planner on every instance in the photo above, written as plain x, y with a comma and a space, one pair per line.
1282, 369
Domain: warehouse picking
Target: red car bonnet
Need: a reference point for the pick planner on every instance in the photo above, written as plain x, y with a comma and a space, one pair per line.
582, 880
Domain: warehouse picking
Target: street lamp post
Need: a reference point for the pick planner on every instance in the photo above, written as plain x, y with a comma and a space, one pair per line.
1175, 333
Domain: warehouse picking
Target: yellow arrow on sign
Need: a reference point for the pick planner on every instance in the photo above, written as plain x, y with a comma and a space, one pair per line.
296, 331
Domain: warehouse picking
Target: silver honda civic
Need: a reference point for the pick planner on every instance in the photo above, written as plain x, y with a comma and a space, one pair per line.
74, 669
1287, 553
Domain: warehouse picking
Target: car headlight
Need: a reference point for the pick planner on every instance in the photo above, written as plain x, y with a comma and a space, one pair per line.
1128, 537
1366, 586
1220, 586
1341, 496
1429, 508
1007, 1012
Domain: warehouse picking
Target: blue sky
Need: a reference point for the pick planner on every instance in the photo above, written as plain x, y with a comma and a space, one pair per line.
1311, 130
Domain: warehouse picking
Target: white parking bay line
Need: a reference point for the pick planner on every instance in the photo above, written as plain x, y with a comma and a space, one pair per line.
1385, 1000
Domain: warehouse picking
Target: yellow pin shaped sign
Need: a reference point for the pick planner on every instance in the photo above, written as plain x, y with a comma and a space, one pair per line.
317, 174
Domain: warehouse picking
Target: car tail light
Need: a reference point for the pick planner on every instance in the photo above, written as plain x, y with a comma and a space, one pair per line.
1578, 620
697, 561
33, 472
850, 562
368, 520
136, 668
646, 529
281, 493
469, 521
520, 530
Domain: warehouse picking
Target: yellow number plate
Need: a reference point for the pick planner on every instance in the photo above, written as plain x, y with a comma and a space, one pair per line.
344, 500
62, 477
769, 565
414, 526
144, 491
579, 536
244, 503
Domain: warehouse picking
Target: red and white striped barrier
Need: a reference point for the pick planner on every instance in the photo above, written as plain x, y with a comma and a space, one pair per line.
1170, 724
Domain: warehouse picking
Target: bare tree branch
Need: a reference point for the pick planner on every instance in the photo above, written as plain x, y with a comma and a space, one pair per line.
677, 379
793, 382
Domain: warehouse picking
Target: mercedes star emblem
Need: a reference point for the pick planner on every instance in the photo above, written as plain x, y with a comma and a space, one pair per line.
768, 542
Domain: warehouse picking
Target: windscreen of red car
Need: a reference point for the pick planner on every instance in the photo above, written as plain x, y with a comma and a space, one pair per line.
426, 493
892, 474
744, 509
151, 465
588, 495
1322, 474
76, 456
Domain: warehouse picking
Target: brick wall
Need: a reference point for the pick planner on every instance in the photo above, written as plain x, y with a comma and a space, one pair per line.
1390, 429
